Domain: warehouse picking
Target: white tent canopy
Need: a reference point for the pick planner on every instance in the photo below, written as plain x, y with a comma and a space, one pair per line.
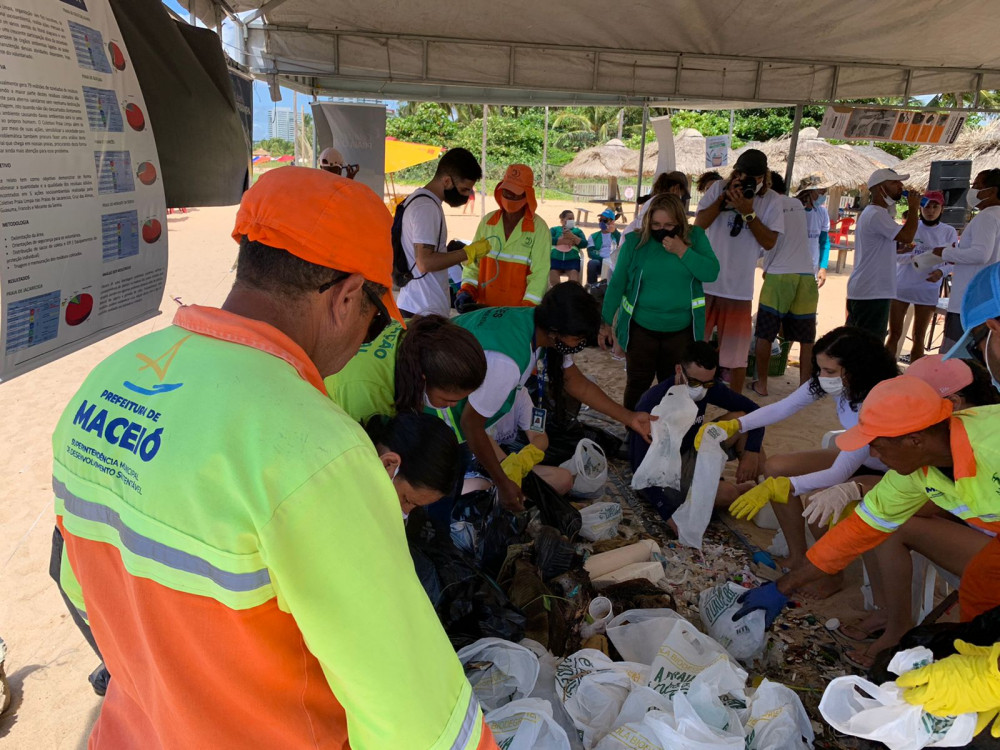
781, 52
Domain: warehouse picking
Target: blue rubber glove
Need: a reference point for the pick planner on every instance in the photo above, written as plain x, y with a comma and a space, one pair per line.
462, 299
767, 598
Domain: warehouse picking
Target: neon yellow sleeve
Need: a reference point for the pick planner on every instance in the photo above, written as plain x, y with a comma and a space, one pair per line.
893, 501
339, 562
541, 261
470, 271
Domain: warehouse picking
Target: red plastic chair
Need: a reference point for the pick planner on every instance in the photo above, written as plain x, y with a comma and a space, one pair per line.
839, 236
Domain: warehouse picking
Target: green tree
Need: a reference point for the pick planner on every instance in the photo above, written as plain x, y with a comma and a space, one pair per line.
582, 127
276, 146
427, 122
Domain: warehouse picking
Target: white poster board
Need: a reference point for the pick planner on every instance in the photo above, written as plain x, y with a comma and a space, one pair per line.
358, 132
716, 151
667, 161
892, 125
82, 212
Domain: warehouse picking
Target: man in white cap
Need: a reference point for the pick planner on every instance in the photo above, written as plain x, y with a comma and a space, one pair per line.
331, 160
872, 285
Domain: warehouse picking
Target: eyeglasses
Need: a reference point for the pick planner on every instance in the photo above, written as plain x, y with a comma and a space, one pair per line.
339, 168
695, 383
381, 318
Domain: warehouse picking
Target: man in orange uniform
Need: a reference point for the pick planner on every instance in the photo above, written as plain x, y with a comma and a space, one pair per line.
230, 534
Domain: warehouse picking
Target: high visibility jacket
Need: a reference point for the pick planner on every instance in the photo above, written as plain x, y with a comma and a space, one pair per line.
516, 272
366, 385
973, 495
241, 555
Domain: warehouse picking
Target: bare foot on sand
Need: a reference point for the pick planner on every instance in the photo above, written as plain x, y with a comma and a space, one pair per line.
866, 628
824, 588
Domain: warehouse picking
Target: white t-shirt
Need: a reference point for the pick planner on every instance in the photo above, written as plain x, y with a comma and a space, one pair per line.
874, 274
636, 224
912, 285
502, 377
738, 255
818, 221
504, 430
424, 224
978, 248
791, 253
608, 244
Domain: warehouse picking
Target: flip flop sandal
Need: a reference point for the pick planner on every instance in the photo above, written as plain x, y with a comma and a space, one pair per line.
859, 659
859, 634
752, 388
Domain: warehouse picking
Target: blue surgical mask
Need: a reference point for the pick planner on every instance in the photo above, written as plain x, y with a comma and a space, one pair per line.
820, 201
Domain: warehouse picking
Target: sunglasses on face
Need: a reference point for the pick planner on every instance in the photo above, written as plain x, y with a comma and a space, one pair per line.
695, 383
381, 318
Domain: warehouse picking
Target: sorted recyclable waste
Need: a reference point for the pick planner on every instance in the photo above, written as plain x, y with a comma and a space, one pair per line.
600, 521
589, 467
694, 514
499, 671
661, 467
744, 639
526, 724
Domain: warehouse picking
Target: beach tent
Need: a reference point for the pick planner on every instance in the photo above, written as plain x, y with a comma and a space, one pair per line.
402, 154
605, 162
286, 159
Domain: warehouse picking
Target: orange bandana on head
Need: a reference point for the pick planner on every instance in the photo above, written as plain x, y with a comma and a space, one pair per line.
518, 179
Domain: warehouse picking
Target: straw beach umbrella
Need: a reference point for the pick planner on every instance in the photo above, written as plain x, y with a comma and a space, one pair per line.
981, 145
605, 162
689, 155
834, 166
877, 155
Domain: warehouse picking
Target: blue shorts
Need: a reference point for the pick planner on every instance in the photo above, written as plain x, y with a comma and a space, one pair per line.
565, 265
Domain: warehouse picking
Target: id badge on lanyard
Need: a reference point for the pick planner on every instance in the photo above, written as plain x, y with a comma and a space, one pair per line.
538, 413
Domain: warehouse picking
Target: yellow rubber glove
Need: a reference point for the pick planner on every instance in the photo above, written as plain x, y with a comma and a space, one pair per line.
771, 490
518, 465
476, 250
959, 684
729, 426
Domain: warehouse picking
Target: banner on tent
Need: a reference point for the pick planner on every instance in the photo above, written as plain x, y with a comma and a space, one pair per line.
243, 94
83, 222
358, 132
667, 161
716, 151
892, 125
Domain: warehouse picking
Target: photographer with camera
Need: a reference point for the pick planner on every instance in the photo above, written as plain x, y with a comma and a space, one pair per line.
742, 218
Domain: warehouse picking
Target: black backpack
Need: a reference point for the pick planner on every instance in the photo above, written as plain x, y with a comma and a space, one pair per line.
402, 271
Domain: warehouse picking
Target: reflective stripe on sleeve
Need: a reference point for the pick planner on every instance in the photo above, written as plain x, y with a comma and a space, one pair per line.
882, 523
472, 721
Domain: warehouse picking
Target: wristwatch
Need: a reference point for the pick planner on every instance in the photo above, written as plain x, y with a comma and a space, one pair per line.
749, 217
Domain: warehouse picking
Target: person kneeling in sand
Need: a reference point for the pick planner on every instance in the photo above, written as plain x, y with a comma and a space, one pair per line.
698, 370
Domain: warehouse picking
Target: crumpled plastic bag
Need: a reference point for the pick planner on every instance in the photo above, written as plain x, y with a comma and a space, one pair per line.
662, 465
526, 724
693, 516
600, 521
860, 708
499, 671
639, 633
684, 654
743, 639
776, 718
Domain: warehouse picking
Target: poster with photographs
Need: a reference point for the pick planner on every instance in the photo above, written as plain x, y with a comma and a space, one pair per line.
892, 125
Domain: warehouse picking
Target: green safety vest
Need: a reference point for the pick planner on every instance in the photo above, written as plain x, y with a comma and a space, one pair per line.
598, 237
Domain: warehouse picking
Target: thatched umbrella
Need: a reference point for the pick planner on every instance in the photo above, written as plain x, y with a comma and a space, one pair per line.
689, 155
981, 145
877, 155
261, 152
813, 156
600, 163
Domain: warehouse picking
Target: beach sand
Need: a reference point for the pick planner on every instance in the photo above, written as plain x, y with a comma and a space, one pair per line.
48, 660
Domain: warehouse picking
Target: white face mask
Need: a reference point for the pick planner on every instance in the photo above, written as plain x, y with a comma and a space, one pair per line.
697, 394
832, 386
760, 186
972, 198
889, 202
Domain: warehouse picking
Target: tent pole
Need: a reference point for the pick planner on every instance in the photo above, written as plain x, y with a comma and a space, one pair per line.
732, 120
295, 127
791, 148
315, 159
642, 154
545, 152
482, 203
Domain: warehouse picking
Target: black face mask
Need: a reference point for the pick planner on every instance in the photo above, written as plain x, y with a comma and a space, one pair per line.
566, 349
931, 223
660, 234
454, 198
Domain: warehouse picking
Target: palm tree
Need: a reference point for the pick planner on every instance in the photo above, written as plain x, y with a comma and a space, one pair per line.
586, 126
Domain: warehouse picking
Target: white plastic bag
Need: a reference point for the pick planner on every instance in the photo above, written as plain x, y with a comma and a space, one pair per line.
855, 706
777, 718
662, 465
631, 736
589, 467
545, 689
684, 654
686, 728
499, 671
639, 633
744, 639
526, 724
600, 521
693, 516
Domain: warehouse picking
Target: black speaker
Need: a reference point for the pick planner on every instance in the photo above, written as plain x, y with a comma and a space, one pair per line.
953, 179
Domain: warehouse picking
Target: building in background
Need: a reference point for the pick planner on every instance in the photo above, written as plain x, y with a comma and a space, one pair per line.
281, 124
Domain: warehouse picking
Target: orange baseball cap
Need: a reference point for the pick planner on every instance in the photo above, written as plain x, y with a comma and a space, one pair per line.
323, 219
895, 407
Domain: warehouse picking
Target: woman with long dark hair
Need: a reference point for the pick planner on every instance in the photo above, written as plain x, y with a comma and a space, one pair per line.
431, 366
515, 340
846, 364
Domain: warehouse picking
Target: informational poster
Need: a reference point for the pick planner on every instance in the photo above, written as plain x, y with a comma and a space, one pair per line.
716, 151
892, 125
82, 213
358, 132
667, 160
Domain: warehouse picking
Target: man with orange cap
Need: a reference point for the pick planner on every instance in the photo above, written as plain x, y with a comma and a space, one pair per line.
230, 534
951, 459
516, 272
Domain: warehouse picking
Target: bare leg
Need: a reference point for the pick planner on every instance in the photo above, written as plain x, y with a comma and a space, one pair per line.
762, 352
805, 362
573, 276
558, 479
553, 277
897, 315
790, 514
728, 492
737, 377
922, 315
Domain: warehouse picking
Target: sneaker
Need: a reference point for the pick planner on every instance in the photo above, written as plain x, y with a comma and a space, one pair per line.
99, 679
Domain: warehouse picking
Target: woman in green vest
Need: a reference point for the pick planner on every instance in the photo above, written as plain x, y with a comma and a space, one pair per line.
431, 366
567, 240
515, 340
655, 298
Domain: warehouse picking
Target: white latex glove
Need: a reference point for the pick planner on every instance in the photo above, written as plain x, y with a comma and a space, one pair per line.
926, 262
830, 503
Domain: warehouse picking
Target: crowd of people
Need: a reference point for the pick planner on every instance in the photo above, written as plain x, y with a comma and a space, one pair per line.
262, 539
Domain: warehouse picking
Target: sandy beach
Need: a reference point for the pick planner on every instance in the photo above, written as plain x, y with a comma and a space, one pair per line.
48, 660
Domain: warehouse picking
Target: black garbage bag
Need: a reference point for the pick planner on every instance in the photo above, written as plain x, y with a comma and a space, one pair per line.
554, 554
554, 509
496, 528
